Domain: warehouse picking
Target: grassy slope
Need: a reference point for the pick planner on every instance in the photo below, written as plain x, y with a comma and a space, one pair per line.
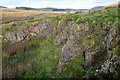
11, 15
116, 4
42, 60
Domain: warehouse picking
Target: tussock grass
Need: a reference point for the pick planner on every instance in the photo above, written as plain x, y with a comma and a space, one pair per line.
10, 15
115, 4
42, 61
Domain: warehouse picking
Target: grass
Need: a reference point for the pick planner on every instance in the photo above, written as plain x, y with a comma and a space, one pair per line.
11, 15
117, 50
116, 4
73, 69
42, 60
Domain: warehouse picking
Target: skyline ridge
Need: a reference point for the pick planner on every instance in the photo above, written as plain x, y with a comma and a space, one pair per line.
76, 4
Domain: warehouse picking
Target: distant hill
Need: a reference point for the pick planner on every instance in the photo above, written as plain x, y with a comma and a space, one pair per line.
69, 9
49, 9
26, 8
58, 9
66, 10
2, 7
97, 7
116, 4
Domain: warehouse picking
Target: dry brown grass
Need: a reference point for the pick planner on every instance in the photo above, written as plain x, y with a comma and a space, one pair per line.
115, 4
9, 15
11, 49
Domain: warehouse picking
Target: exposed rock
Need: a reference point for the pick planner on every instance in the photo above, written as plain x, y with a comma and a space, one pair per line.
110, 65
8, 72
90, 58
11, 36
17, 36
62, 38
70, 49
113, 38
21, 35
1, 38
63, 33
42, 29
45, 29
34, 29
93, 37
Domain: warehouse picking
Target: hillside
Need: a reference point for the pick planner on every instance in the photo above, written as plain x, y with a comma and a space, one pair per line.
116, 4
72, 45
2, 7
97, 7
50, 9
11, 15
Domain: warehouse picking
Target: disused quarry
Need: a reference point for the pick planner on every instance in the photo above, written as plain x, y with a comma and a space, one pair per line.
79, 45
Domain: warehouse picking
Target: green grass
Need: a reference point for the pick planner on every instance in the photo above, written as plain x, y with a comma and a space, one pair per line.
73, 69
117, 50
42, 61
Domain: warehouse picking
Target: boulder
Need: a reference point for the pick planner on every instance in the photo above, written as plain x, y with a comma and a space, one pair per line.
113, 38
90, 58
62, 38
63, 32
110, 65
70, 49
21, 35
45, 29
1, 37
11, 36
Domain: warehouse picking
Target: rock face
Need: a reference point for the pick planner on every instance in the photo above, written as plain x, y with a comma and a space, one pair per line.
45, 29
70, 43
79, 43
92, 40
113, 38
42, 30
1, 38
21, 35
92, 47
110, 66
10, 36
62, 38
63, 33
90, 58
70, 49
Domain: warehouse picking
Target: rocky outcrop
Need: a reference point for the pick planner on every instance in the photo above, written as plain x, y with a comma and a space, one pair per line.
70, 49
90, 58
93, 41
63, 32
21, 35
70, 43
109, 69
10, 36
42, 30
113, 38
1, 38
110, 65
93, 38
62, 38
